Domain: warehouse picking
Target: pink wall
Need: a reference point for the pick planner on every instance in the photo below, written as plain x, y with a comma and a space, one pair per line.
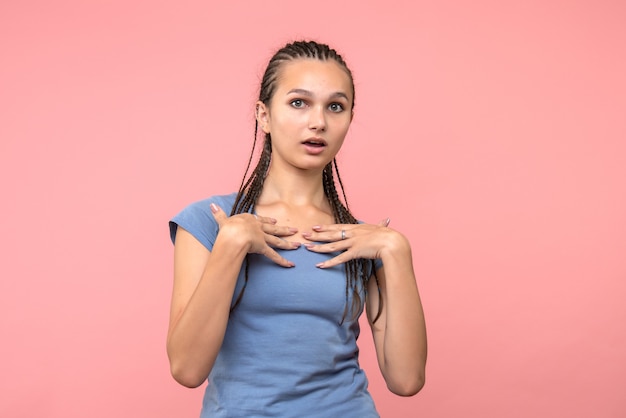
492, 133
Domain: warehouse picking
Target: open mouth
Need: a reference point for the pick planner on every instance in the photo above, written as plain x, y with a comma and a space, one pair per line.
318, 143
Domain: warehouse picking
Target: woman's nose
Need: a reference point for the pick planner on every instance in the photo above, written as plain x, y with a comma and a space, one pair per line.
317, 119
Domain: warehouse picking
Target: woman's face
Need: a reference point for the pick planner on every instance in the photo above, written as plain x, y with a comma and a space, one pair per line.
309, 114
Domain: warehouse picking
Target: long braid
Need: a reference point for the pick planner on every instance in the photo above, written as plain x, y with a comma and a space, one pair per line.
243, 185
372, 263
247, 197
359, 269
251, 187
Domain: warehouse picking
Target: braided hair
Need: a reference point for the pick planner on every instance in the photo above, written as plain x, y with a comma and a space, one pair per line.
357, 271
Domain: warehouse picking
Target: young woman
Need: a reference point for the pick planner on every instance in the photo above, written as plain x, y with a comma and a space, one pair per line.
269, 282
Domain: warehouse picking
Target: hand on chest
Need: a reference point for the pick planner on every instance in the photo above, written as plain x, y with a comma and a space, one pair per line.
302, 219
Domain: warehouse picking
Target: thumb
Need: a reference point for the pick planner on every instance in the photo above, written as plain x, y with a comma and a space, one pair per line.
218, 214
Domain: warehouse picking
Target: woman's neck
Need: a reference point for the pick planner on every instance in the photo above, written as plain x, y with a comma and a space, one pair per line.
303, 188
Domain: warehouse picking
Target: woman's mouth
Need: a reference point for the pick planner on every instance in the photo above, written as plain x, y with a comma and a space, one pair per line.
314, 146
315, 142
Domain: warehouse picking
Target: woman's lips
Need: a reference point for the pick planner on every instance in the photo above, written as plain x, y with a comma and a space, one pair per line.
314, 146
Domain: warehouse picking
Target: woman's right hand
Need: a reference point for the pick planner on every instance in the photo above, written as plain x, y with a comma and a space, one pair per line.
258, 233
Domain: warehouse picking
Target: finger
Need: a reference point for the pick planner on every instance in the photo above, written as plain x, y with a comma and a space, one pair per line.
279, 231
283, 244
340, 259
264, 219
384, 222
332, 227
277, 258
329, 236
328, 248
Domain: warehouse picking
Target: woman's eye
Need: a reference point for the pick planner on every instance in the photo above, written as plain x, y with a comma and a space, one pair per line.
336, 107
297, 103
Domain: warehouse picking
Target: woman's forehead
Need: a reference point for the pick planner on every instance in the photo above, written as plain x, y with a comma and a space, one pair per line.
315, 76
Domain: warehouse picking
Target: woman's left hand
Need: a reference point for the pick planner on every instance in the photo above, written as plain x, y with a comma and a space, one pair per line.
353, 240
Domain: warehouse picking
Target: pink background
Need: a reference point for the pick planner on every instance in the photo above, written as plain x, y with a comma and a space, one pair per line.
492, 133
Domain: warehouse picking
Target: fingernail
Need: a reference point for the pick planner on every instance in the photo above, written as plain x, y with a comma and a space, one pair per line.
387, 221
214, 208
293, 230
307, 245
316, 227
320, 265
306, 234
296, 244
272, 220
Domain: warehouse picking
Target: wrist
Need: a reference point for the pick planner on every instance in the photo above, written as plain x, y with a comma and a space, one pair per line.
231, 239
396, 245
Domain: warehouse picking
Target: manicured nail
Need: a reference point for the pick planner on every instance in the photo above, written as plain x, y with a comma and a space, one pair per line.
306, 234
320, 265
387, 221
316, 227
308, 245
296, 244
214, 208
293, 230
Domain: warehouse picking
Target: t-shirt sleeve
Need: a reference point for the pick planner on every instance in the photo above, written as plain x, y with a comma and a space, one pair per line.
378, 263
198, 220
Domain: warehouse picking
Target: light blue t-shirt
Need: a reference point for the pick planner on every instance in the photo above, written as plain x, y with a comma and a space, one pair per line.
285, 353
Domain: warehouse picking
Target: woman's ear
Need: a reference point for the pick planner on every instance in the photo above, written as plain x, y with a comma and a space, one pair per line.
263, 116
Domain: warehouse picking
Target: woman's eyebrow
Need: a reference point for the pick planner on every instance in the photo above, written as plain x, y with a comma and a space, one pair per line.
300, 91
339, 94
307, 93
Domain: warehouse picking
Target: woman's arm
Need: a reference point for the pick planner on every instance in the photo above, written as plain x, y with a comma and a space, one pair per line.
400, 331
204, 283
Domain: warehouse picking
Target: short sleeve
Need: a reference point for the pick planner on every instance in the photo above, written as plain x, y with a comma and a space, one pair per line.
198, 220
378, 263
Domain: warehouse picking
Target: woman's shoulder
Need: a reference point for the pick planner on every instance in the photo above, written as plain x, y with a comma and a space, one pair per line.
225, 201
197, 218
201, 209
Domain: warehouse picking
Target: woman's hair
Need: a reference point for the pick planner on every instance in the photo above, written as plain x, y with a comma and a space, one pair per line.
357, 271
